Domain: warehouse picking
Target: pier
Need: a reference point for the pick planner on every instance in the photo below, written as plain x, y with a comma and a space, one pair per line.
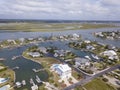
15, 68
15, 57
38, 79
38, 70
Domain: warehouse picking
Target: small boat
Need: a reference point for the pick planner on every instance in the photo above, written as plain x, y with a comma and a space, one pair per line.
95, 56
88, 57
23, 82
15, 57
32, 82
38, 79
18, 84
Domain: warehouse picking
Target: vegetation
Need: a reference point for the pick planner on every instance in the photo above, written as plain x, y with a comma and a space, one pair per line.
50, 26
7, 73
98, 84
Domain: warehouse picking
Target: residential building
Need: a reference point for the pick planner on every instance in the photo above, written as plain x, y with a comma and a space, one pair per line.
63, 70
34, 54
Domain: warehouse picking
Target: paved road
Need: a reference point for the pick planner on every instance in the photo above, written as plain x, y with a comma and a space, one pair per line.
84, 81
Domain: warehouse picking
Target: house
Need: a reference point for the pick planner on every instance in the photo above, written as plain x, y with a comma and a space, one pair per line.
34, 54
89, 47
40, 39
43, 49
75, 36
81, 61
111, 54
11, 41
87, 41
99, 34
30, 39
63, 70
22, 39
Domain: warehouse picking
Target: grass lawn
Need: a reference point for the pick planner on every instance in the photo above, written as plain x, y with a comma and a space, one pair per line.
7, 73
98, 84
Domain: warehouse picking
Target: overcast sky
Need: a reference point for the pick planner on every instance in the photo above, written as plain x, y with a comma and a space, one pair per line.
60, 9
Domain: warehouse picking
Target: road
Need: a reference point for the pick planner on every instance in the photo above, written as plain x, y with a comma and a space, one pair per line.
84, 81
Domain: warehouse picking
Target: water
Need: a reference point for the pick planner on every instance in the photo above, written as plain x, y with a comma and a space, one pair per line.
26, 66
86, 34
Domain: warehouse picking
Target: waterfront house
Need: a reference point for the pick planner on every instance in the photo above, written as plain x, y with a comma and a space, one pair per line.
11, 41
34, 54
75, 36
30, 39
43, 49
99, 34
89, 47
111, 54
87, 41
63, 70
40, 39
81, 62
22, 39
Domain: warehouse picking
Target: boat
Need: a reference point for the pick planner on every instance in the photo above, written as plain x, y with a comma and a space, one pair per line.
32, 82
2, 59
95, 56
18, 84
23, 82
38, 79
88, 57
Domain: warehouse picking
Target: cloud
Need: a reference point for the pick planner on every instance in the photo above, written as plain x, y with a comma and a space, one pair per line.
60, 9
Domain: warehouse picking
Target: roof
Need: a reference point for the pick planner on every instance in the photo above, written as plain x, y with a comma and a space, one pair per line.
6, 87
110, 53
62, 67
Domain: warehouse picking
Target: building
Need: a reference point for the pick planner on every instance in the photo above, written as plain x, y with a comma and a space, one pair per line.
63, 70
81, 62
75, 36
34, 54
43, 49
111, 54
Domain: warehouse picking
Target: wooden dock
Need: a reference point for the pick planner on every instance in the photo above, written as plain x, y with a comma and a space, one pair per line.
38, 70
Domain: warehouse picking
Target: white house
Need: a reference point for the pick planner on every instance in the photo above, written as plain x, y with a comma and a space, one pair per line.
34, 54
43, 49
111, 54
81, 62
87, 41
63, 70
75, 36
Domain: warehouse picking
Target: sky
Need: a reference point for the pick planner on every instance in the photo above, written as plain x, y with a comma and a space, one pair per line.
60, 9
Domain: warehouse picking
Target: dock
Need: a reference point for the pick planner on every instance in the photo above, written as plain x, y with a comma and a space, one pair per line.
38, 79
32, 82
15, 57
15, 68
38, 70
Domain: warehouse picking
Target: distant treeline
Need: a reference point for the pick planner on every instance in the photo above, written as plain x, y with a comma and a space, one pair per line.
55, 21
